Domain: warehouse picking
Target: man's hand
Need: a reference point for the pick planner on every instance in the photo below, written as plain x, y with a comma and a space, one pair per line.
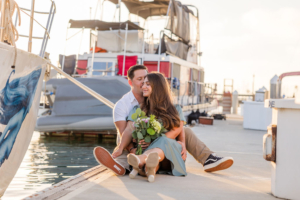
183, 152
144, 144
117, 152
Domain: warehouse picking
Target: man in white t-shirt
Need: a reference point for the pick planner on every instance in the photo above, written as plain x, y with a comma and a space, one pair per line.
190, 142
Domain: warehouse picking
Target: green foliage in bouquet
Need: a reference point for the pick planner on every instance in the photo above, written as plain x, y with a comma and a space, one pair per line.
146, 128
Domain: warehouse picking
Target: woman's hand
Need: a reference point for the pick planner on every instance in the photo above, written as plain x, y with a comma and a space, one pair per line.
117, 152
133, 151
144, 144
183, 152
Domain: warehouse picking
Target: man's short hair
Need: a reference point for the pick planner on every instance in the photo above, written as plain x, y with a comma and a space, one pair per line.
131, 70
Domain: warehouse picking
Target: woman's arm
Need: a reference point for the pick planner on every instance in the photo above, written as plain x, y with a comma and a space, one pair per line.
181, 135
181, 140
175, 132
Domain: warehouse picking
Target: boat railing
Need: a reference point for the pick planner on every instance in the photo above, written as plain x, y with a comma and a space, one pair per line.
279, 82
46, 36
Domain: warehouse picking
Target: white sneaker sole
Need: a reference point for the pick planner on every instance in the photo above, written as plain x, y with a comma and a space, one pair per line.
109, 162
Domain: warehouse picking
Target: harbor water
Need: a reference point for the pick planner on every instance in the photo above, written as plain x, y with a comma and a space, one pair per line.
50, 160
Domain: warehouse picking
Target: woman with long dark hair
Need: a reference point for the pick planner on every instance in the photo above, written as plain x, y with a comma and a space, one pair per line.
157, 101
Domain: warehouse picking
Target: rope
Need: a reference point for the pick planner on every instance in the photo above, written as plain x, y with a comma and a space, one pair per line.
10, 34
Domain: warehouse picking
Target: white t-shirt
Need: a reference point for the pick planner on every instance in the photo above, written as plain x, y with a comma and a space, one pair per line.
122, 109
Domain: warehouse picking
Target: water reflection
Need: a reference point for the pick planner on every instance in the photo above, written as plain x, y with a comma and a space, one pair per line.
50, 160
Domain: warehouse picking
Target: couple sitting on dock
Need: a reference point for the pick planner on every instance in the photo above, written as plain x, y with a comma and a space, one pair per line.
151, 92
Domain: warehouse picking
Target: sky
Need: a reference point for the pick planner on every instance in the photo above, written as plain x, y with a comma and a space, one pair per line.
239, 38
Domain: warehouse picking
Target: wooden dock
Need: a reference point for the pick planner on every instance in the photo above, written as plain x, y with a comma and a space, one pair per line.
248, 178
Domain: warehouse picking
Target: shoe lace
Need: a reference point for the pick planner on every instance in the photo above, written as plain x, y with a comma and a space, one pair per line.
215, 155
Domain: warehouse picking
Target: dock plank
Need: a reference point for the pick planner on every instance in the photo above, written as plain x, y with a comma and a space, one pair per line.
248, 178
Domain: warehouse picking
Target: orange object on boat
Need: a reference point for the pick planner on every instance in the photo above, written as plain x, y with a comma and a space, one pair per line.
98, 50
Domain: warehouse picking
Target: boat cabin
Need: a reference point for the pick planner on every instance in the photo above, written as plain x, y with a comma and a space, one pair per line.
116, 46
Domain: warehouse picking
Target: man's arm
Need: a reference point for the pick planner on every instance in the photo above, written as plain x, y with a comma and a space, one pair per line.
125, 140
121, 125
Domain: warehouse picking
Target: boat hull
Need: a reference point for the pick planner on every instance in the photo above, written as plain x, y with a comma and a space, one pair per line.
20, 90
75, 110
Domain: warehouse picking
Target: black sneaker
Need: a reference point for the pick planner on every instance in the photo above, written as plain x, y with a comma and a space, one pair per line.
214, 163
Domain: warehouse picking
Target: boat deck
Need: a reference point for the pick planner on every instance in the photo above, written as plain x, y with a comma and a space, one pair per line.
248, 178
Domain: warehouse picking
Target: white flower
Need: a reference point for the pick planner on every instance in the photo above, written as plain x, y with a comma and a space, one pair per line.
156, 125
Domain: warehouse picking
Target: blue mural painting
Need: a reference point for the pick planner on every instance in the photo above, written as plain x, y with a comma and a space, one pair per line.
15, 102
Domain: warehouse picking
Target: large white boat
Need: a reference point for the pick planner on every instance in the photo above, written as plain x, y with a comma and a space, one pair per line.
116, 46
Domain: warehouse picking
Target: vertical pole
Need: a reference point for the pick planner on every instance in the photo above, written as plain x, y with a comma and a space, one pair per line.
278, 88
63, 61
80, 41
143, 50
159, 51
171, 83
120, 10
31, 26
90, 13
93, 53
47, 28
16, 21
50, 25
123, 72
253, 85
2, 20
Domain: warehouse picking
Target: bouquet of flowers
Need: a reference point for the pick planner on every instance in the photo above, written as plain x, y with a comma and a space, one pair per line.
146, 128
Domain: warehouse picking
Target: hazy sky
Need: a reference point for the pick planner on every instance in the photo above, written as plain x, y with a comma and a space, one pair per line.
239, 38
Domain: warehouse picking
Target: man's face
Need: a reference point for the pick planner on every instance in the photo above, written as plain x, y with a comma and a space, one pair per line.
138, 80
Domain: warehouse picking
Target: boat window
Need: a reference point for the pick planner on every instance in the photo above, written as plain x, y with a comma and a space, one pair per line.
103, 68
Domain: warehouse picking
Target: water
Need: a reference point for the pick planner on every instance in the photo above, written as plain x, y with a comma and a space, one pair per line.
50, 160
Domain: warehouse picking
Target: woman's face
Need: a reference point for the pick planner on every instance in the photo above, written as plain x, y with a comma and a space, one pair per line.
147, 89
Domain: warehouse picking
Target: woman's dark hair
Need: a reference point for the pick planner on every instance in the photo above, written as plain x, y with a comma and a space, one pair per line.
159, 102
131, 70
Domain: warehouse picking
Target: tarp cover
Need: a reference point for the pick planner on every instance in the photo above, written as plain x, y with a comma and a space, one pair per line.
73, 105
179, 20
146, 9
110, 40
102, 26
69, 63
20, 91
176, 48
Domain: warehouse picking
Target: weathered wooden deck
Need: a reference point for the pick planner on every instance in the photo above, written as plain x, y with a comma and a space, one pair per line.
248, 178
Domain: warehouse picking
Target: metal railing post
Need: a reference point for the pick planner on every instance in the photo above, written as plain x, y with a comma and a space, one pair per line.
2, 20
159, 51
47, 27
31, 26
126, 29
63, 61
49, 31
93, 53
143, 50
80, 40
16, 21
